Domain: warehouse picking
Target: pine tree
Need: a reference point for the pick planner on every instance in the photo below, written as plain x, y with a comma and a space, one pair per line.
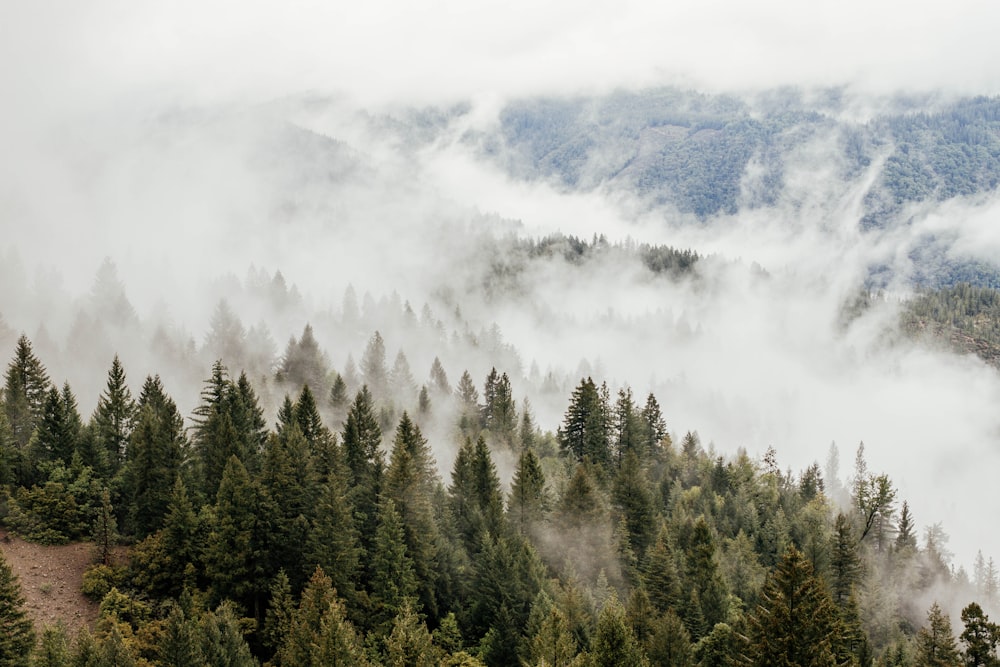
105, 534
980, 637
332, 543
362, 438
179, 645
633, 500
17, 637
553, 644
935, 641
654, 428
409, 644
338, 644
585, 431
614, 643
222, 643
113, 420
439, 379
796, 621
627, 427
59, 431
53, 649
234, 553
304, 626
25, 389
670, 643
156, 453
392, 579
304, 364
845, 563
180, 539
411, 481
373, 366
529, 501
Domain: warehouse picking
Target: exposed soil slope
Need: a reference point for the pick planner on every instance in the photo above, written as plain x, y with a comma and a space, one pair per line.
50, 579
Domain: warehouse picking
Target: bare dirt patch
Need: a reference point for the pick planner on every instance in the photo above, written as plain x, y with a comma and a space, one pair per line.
50, 578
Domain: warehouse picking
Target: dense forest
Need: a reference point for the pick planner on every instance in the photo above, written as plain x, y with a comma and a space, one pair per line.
336, 536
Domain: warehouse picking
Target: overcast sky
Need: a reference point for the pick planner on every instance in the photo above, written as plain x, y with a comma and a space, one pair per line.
82, 175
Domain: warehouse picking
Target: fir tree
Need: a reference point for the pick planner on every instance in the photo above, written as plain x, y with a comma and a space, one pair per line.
392, 579
53, 649
796, 622
373, 366
179, 646
409, 644
529, 501
113, 420
222, 643
439, 379
156, 454
17, 637
670, 643
411, 481
935, 641
980, 637
614, 643
585, 428
25, 389
365, 466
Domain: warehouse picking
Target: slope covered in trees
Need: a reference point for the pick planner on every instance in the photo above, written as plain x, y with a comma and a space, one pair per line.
344, 539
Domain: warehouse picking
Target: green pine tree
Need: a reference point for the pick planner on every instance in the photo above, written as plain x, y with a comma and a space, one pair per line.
796, 621
17, 637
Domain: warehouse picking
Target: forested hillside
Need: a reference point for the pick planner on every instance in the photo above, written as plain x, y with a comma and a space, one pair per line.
342, 534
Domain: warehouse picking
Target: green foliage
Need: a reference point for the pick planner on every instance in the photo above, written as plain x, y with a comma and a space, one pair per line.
17, 637
935, 641
796, 622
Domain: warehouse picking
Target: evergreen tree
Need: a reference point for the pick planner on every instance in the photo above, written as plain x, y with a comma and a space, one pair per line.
906, 537
59, 430
17, 637
409, 644
373, 366
553, 643
226, 339
627, 427
113, 420
845, 563
670, 643
338, 644
25, 389
105, 534
53, 649
614, 643
980, 637
365, 467
585, 431
439, 379
411, 481
529, 501
401, 384
304, 364
499, 412
633, 500
653, 427
178, 645
222, 643
156, 454
234, 558
796, 622
289, 485
305, 624
392, 579
332, 543
935, 641
338, 394
180, 539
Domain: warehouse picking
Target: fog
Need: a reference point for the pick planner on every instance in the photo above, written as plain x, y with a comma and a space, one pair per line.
189, 142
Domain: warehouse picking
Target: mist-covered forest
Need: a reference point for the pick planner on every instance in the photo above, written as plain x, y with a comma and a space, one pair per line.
579, 335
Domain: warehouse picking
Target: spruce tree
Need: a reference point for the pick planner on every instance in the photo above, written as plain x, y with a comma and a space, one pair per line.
17, 637
156, 453
980, 637
392, 578
25, 389
222, 642
361, 439
409, 644
113, 421
936, 642
373, 366
614, 643
796, 622
234, 560
529, 502
411, 481
553, 643
670, 643
53, 649
178, 645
